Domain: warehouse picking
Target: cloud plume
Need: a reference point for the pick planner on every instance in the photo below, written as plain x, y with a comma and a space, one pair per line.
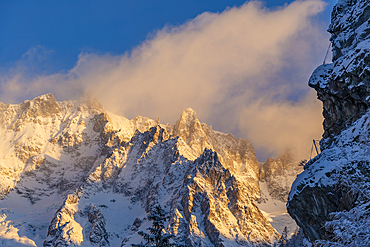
244, 71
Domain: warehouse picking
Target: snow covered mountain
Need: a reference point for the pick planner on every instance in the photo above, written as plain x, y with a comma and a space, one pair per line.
330, 199
276, 178
73, 174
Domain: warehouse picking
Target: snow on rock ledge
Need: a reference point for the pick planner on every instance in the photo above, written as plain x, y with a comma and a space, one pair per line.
344, 85
330, 199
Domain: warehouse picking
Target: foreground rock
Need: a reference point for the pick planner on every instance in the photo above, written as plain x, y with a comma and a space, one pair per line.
330, 199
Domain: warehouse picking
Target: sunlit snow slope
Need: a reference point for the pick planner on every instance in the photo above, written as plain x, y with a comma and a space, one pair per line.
72, 174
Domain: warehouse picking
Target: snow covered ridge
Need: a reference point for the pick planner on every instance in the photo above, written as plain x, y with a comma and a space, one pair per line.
330, 199
72, 174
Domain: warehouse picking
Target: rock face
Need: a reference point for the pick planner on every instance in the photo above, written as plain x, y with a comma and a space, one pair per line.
279, 174
73, 174
330, 199
343, 86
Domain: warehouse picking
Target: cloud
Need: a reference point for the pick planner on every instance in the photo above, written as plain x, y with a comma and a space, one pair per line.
37, 53
244, 70
283, 126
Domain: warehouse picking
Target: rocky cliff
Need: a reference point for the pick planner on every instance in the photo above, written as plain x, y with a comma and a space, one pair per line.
278, 175
73, 174
343, 86
330, 199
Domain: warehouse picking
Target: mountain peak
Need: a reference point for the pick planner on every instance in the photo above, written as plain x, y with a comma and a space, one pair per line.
45, 97
69, 160
189, 114
188, 125
92, 102
42, 99
44, 105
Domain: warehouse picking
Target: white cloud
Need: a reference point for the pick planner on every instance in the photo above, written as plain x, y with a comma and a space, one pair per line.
243, 70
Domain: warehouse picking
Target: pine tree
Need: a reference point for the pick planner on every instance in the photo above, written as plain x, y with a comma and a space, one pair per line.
285, 233
283, 237
157, 236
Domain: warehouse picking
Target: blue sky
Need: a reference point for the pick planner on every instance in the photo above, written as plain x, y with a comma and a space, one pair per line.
243, 67
66, 28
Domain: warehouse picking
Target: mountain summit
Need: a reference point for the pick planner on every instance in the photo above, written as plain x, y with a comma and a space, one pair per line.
73, 174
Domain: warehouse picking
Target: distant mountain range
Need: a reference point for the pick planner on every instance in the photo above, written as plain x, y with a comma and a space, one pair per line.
73, 174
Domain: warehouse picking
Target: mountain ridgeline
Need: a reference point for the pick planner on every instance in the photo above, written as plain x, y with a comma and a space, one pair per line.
73, 174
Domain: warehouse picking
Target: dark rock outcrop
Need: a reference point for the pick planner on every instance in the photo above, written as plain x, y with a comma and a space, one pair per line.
330, 199
98, 234
344, 85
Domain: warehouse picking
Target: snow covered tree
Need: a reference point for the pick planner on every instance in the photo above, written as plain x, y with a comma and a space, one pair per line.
285, 233
157, 236
297, 240
283, 238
